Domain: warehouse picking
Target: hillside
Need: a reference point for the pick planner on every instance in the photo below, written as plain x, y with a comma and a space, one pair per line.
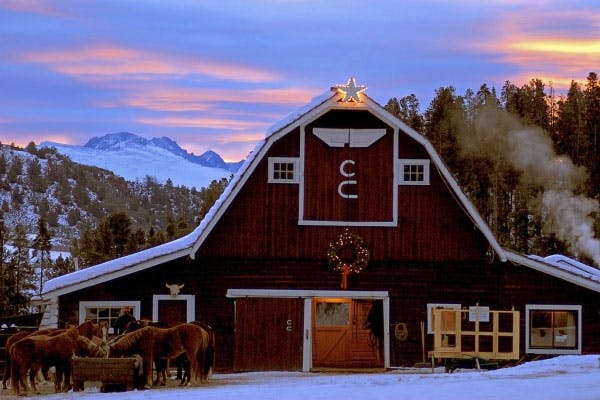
73, 197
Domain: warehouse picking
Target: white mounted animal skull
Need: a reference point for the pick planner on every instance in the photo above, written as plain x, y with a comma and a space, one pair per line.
174, 288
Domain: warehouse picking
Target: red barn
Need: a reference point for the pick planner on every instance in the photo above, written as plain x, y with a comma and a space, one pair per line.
332, 247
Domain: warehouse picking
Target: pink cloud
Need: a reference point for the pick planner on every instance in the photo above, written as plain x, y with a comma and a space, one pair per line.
100, 63
185, 99
29, 6
212, 123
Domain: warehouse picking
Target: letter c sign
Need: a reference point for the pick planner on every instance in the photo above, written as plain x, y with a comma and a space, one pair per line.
344, 170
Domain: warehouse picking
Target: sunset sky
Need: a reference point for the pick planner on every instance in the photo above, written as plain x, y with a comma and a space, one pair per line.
215, 75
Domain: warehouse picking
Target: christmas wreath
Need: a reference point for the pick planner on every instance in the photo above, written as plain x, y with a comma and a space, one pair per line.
360, 253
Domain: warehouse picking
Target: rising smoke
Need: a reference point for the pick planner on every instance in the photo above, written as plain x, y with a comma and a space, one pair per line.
501, 138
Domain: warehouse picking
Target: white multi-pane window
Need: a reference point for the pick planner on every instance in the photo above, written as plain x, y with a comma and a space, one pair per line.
283, 170
414, 172
553, 329
107, 311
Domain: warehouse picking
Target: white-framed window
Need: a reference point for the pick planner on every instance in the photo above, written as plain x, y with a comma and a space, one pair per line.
439, 306
107, 311
413, 172
283, 170
553, 329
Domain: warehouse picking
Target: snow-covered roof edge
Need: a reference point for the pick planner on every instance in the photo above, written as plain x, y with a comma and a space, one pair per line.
560, 267
120, 266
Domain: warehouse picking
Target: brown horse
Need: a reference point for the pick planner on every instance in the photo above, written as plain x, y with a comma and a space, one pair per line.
38, 351
154, 344
89, 329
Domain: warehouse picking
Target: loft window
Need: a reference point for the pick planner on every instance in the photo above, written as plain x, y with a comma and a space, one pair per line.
414, 172
283, 170
553, 329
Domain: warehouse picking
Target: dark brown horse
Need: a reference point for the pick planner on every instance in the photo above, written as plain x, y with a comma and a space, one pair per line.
89, 329
36, 352
154, 344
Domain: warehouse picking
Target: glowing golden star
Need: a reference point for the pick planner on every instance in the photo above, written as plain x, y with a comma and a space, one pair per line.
350, 90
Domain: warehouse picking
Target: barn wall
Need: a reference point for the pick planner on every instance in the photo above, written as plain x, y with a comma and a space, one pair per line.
411, 286
431, 225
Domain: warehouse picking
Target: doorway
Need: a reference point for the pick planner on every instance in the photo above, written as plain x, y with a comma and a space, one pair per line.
347, 333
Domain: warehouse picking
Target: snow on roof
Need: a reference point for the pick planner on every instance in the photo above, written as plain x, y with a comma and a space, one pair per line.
182, 246
570, 265
119, 264
293, 116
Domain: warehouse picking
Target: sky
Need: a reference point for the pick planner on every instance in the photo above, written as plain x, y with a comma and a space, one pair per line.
215, 75
564, 377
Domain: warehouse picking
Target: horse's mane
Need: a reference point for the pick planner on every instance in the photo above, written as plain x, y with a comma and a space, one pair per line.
129, 340
89, 328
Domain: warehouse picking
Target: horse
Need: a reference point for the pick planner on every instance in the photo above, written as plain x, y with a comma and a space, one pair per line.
89, 329
209, 358
153, 344
42, 351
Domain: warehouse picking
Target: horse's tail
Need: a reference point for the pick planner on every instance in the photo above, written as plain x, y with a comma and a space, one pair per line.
209, 358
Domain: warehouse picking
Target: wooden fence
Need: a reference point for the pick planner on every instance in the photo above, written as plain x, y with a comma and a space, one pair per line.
476, 332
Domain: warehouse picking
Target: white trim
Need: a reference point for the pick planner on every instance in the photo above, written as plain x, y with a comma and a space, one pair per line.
190, 304
431, 306
353, 137
284, 160
307, 293
394, 186
417, 162
307, 340
134, 304
553, 307
309, 296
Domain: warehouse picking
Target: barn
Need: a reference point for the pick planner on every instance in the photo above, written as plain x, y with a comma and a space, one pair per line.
344, 242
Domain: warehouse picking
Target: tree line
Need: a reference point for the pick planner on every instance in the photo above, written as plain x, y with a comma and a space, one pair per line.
49, 203
527, 158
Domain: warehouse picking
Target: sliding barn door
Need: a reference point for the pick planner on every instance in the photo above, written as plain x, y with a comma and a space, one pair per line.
268, 334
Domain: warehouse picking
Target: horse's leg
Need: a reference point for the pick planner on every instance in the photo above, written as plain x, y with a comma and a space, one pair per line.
32, 375
58, 377
6, 370
67, 376
148, 358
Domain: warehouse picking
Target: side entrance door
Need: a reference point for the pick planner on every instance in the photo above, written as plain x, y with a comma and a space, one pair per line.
268, 334
347, 333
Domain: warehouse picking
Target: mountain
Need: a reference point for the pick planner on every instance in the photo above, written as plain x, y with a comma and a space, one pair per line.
72, 196
134, 158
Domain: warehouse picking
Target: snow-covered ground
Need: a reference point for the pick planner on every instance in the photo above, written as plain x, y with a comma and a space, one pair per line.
565, 377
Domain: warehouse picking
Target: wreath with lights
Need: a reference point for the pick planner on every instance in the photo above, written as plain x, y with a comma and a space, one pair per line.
356, 244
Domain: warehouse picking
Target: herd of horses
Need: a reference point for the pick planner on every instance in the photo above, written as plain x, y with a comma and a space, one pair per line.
191, 345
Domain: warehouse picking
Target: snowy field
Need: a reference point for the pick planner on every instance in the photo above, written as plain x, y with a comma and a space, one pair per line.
565, 377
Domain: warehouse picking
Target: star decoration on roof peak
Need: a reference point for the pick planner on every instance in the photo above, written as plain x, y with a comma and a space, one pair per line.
350, 90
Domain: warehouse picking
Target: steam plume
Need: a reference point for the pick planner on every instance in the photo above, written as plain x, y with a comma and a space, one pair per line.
500, 137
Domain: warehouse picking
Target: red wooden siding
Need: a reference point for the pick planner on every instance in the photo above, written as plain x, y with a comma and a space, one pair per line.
262, 221
268, 334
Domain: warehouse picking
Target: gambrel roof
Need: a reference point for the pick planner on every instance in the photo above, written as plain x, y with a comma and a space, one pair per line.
189, 245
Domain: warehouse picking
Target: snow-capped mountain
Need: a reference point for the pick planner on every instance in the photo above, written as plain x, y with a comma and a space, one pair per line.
134, 157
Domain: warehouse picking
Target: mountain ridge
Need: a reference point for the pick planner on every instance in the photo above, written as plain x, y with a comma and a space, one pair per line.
135, 158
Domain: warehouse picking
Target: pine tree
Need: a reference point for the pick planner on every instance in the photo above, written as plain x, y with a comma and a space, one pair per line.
42, 247
4, 269
23, 273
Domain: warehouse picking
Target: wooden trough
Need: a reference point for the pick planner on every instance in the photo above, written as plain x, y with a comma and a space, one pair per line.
118, 373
